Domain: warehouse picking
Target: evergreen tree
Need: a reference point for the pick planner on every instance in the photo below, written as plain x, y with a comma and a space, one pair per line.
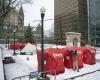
29, 35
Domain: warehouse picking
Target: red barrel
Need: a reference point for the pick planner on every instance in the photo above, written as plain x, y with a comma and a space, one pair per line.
54, 61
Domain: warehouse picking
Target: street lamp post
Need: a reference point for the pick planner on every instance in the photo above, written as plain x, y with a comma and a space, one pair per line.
14, 41
42, 10
36, 43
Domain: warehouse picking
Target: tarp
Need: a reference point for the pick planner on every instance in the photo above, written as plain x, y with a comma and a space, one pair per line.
68, 59
89, 55
53, 59
29, 48
17, 46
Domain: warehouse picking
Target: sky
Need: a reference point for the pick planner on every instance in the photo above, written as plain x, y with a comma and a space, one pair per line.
32, 13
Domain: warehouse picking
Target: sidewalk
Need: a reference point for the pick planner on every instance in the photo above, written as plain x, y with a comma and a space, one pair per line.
69, 73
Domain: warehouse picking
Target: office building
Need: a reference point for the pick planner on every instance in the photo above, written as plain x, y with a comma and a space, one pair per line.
70, 16
94, 22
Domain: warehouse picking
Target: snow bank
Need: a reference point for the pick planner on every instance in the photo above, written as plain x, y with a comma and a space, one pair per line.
1, 67
98, 56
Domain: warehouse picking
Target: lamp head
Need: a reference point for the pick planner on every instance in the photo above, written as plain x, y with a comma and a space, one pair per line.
42, 10
14, 30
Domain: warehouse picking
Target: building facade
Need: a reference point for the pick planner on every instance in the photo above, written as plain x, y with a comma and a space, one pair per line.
37, 34
70, 16
94, 21
21, 19
14, 20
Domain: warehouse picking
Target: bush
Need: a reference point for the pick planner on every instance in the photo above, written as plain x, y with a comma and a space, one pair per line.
14, 53
22, 53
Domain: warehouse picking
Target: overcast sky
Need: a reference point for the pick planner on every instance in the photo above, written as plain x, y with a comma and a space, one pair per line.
32, 12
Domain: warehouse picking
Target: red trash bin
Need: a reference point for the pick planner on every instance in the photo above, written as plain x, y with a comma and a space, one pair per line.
54, 61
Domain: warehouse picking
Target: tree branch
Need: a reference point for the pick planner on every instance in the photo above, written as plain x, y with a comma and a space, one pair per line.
6, 8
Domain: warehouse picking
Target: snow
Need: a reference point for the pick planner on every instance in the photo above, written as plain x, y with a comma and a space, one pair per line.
70, 73
22, 67
98, 56
1, 67
98, 53
93, 76
17, 69
51, 46
32, 62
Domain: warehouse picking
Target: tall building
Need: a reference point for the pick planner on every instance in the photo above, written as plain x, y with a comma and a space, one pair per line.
14, 20
11, 21
70, 16
94, 21
21, 19
37, 34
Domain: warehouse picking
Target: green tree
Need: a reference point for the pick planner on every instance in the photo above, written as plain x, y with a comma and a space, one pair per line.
29, 37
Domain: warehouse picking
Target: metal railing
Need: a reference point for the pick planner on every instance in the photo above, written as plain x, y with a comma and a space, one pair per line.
20, 78
37, 76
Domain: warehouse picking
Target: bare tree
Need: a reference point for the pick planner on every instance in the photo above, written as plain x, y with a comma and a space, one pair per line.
7, 5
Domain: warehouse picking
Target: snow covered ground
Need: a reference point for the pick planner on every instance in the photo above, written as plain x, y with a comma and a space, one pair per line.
24, 67
70, 73
17, 69
98, 56
1, 67
93, 76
